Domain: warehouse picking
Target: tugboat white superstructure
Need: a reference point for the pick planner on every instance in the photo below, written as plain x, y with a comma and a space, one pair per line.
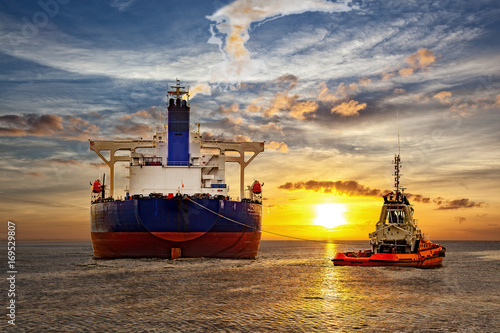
177, 201
397, 240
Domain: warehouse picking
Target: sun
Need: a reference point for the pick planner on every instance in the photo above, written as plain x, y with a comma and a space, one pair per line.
330, 215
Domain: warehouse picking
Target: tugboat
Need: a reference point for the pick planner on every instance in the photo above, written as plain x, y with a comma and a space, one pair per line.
397, 240
176, 203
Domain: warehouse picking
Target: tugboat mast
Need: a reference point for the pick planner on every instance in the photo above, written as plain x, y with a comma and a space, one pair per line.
397, 167
397, 176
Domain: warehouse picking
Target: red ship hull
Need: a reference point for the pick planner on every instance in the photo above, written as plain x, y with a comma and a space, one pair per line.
145, 244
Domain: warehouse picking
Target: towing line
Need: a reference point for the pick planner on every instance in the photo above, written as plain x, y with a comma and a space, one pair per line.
251, 227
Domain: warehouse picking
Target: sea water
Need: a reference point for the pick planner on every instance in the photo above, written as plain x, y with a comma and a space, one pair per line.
292, 286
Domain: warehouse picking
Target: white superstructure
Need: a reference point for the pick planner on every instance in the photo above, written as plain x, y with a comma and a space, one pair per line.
205, 173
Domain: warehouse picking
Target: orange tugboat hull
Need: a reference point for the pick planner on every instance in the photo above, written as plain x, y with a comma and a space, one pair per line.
424, 259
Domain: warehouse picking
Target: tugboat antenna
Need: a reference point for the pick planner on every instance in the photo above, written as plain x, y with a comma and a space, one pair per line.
399, 143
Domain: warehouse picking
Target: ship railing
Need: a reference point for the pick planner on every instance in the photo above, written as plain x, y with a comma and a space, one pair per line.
153, 161
177, 163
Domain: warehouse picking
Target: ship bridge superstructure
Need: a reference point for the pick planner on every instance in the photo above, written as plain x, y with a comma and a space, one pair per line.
182, 163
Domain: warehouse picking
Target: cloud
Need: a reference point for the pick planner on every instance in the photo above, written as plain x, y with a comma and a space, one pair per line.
418, 198
353, 188
200, 88
31, 124
497, 103
288, 81
460, 203
65, 161
344, 91
350, 108
280, 102
443, 96
279, 146
350, 187
405, 72
299, 110
365, 81
145, 114
387, 76
209, 136
418, 61
233, 108
267, 128
467, 104
241, 138
460, 219
35, 174
421, 59
65, 127
98, 165
232, 25
324, 95
122, 5
136, 130
49, 125
339, 101
255, 106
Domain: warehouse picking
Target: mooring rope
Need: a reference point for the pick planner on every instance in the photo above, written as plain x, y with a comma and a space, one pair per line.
252, 227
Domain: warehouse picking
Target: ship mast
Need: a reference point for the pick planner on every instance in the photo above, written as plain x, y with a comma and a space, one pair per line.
397, 167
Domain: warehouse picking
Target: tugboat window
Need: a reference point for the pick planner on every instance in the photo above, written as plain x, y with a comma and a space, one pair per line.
395, 216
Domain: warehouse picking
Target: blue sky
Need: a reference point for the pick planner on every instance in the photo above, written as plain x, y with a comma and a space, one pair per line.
322, 83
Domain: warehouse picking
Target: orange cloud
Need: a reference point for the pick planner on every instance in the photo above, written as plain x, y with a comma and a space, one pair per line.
497, 103
254, 106
140, 114
241, 138
443, 96
281, 101
350, 108
387, 76
200, 88
421, 59
405, 72
233, 108
365, 81
279, 146
271, 127
324, 95
300, 109
345, 91
35, 174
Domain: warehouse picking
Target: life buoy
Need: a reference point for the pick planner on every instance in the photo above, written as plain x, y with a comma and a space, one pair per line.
256, 187
96, 187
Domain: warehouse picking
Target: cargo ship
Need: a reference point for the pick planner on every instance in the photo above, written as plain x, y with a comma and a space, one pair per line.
176, 203
397, 240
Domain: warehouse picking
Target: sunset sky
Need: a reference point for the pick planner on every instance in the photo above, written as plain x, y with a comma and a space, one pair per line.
325, 84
